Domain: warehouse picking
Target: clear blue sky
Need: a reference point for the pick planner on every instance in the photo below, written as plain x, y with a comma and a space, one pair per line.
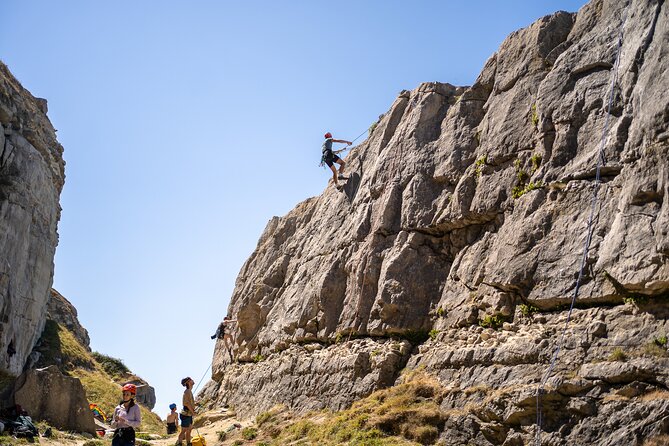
187, 125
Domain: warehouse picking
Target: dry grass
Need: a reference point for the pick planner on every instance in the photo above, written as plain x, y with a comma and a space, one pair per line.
656, 395
618, 354
615, 397
405, 414
59, 346
480, 388
661, 440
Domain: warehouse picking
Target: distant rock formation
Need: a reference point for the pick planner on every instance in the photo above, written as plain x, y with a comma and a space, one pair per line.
461, 230
31, 179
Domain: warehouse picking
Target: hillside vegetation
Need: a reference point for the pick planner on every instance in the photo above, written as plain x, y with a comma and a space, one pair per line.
101, 376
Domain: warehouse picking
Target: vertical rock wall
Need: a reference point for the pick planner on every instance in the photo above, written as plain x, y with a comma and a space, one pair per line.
31, 179
465, 218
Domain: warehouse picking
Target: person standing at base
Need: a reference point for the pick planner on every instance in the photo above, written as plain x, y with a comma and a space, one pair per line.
172, 419
187, 412
330, 157
126, 418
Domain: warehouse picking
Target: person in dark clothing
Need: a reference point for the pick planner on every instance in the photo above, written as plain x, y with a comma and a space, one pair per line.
172, 419
126, 418
330, 157
221, 333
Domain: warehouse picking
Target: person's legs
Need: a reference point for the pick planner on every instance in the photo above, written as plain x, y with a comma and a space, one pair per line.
182, 432
334, 175
227, 341
342, 164
188, 434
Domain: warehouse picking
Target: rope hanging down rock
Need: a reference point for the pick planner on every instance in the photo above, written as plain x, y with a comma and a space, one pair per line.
588, 238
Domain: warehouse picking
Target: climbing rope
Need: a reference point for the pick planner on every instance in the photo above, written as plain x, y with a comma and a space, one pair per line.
588, 238
201, 379
350, 146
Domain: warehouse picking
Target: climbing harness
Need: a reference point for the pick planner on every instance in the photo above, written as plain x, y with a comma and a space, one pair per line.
588, 238
322, 163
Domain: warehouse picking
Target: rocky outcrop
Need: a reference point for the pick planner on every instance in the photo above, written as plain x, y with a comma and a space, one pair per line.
61, 311
31, 179
146, 394
465, 218
47, 394
310, 377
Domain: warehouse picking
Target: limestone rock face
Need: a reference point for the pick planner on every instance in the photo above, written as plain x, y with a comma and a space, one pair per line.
467, 208
31, 179
146, 394
65, 408
309, 377
60, 310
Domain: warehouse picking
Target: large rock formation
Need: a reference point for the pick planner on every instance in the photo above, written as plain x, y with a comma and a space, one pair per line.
61, 311
47, 394
31, 179
466, 213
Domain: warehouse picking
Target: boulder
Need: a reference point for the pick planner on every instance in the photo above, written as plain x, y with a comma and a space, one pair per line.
47, 394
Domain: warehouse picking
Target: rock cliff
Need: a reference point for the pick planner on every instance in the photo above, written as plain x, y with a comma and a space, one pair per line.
61, 311
456, 244
31, 179
38, 326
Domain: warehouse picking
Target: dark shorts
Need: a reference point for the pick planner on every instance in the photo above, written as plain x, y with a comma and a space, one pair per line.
330, 157
124, 437
171, 428
186, 420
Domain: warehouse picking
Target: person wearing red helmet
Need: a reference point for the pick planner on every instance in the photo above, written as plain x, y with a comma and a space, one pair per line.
126, 418
330, 157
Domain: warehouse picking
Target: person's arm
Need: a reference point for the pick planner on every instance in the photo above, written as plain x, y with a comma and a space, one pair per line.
134, 416
191, 404
342, 141
114, 422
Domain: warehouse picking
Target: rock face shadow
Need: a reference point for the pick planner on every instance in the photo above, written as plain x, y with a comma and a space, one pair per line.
353, 184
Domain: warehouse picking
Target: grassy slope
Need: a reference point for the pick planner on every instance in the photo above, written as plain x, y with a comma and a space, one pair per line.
405, 414
100, 375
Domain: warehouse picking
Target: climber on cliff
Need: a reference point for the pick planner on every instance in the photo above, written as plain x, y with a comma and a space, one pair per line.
330, 157
227, 337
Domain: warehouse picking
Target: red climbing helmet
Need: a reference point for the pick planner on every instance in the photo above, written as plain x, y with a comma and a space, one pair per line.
328, 135
130, 388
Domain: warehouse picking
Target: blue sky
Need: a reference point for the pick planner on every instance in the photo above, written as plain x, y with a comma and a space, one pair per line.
188, 125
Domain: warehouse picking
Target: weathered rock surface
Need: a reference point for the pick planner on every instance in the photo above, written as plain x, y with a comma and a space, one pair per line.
60, 310
47, 394
309, 377
468, 207
146, 394
31, 179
